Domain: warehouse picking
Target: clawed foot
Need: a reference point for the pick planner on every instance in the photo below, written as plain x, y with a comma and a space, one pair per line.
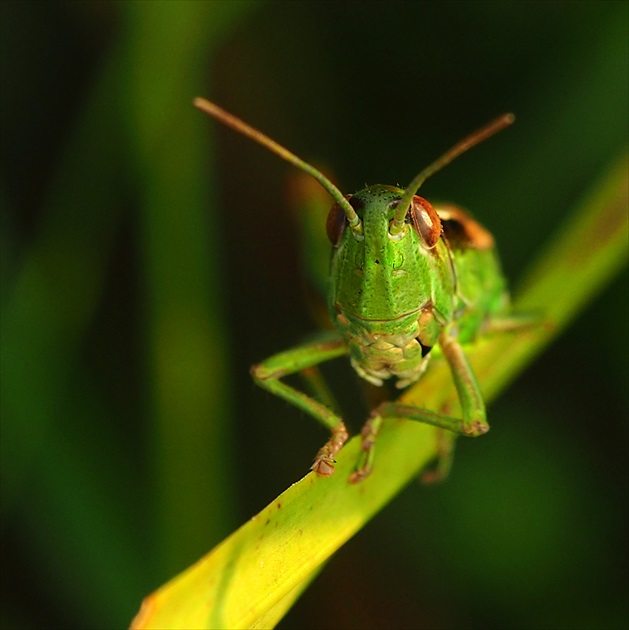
476, 428
369, 434
324, 461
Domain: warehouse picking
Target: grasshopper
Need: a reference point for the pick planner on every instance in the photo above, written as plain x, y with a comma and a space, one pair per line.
406, 280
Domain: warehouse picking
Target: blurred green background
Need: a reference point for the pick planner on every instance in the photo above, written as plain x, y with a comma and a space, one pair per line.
149, 257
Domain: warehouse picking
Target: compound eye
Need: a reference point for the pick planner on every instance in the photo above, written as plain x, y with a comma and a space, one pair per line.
426, 221
335, 224
337, 221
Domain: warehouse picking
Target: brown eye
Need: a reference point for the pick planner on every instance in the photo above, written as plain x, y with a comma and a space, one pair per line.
425, 221
335, 224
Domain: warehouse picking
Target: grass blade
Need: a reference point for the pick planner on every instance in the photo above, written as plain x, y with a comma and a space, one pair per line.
273, 556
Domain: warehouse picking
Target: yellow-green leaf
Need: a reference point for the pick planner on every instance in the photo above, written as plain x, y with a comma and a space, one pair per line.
252, 578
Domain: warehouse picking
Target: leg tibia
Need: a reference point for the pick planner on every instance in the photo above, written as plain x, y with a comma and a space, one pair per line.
417, 414
474, 421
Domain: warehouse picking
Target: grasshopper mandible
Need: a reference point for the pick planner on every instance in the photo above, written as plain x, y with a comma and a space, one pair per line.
405, 278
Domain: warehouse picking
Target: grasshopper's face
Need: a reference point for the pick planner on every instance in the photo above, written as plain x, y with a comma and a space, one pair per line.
379, 276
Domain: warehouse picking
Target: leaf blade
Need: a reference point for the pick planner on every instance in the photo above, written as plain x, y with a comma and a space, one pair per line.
240, 582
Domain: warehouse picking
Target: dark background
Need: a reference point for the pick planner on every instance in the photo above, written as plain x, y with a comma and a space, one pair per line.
149, 257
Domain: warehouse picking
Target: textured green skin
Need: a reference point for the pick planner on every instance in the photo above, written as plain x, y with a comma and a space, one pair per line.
388, 295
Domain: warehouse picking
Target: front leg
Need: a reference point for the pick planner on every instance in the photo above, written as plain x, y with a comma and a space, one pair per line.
299, 359
472, 424
474, 421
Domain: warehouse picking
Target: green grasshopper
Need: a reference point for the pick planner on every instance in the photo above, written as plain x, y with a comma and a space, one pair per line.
406, 278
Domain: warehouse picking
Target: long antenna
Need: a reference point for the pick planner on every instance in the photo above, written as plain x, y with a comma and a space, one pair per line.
397, 225
257, 136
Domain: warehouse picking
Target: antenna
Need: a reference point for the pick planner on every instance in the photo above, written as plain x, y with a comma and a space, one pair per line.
257, 136
500, 123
